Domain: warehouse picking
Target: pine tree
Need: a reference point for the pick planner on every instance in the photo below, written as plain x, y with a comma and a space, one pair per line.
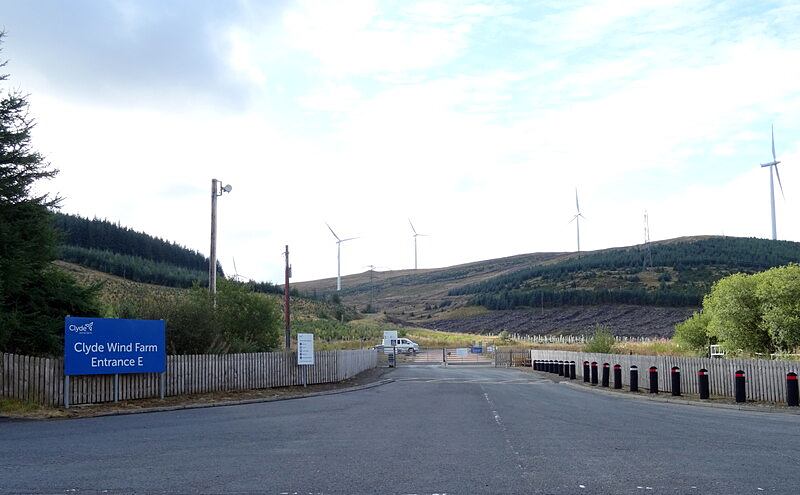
34, 297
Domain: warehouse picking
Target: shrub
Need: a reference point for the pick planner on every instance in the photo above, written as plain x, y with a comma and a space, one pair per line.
242, 320
602, 341
693, 332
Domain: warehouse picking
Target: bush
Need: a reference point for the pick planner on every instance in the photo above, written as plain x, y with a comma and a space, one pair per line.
602, 341
692, 333
242, 321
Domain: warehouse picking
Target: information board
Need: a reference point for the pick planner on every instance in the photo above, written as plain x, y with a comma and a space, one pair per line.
108, 346
305, 348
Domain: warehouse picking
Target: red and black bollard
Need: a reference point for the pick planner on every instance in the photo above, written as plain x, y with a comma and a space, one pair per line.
653, 380
586, 371
617, 376
594, 372
606, 369
702, 383
741, 395
634, 378
792, 395
676, 381
572, 370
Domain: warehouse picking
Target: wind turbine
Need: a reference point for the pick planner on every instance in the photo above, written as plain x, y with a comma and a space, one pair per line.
577, 220
236, 275
773, 165
339, 256
415, 241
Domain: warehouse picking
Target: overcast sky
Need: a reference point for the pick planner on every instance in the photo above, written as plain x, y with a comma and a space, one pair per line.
477, 120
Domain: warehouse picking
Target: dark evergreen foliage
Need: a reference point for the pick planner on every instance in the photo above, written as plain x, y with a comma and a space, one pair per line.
34, 296
698, 264
103, 235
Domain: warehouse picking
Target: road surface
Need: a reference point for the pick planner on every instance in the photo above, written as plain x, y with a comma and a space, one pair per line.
433, 430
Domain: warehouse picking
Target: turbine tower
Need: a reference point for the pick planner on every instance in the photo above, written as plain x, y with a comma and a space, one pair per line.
773, 165
577, 220
415, 241
339, 256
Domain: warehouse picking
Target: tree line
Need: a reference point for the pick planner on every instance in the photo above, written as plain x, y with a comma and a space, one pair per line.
102, 235
584, 297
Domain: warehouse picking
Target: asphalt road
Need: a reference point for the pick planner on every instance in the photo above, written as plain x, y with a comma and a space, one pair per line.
434, 430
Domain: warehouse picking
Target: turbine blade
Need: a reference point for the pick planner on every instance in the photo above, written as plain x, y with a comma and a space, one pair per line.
332, 232
779, 181
573, 219
235, 271
577, 206
348, 239
772, 129
412, 227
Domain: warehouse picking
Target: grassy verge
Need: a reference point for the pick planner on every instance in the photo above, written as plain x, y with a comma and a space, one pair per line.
14, 407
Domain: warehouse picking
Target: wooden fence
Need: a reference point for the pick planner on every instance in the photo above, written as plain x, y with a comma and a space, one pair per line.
766, 380
41, 380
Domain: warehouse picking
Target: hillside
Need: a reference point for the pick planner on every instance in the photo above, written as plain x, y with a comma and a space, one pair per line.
636, 290
114, 289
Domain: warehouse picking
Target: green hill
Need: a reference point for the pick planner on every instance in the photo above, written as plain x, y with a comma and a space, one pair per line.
638, 290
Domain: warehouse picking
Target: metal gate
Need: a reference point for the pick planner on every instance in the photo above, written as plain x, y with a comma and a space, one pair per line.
389, 357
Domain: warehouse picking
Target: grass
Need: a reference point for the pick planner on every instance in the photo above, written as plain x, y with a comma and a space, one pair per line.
14, 407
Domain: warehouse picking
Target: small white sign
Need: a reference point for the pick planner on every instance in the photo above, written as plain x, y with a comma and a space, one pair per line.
462, 351
305, 349
389, 335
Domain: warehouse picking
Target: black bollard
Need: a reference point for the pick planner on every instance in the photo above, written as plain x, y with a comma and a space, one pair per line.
553, 366
594, 372
617, 376
741, 395
702, 383
653, 380
634, 378
586, 371
572, 370
561, 368
676, 381
536, 365
792, 395
606, 369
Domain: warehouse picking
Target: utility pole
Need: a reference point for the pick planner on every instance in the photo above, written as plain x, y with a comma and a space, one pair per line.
216, 190
287, 319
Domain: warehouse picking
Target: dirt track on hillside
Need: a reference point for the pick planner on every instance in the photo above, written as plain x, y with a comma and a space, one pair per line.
634, 321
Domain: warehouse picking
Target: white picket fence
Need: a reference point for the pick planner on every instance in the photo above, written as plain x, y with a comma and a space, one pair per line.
574, 339
765, 380
41, 380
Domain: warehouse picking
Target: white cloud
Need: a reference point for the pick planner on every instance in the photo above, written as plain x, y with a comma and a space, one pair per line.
475, 120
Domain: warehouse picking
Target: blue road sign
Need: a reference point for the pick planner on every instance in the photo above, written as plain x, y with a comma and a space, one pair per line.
107, 346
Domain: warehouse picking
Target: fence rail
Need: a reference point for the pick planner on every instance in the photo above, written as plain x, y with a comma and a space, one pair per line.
766, 380
41, 380
575, 339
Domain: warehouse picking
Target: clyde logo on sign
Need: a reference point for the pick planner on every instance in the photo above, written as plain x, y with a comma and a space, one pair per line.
107, 346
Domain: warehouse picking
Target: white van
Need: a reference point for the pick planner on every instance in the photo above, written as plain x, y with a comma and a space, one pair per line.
402, 344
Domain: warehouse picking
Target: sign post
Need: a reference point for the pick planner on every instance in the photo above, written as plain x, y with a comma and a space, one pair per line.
305, 353
108, 346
